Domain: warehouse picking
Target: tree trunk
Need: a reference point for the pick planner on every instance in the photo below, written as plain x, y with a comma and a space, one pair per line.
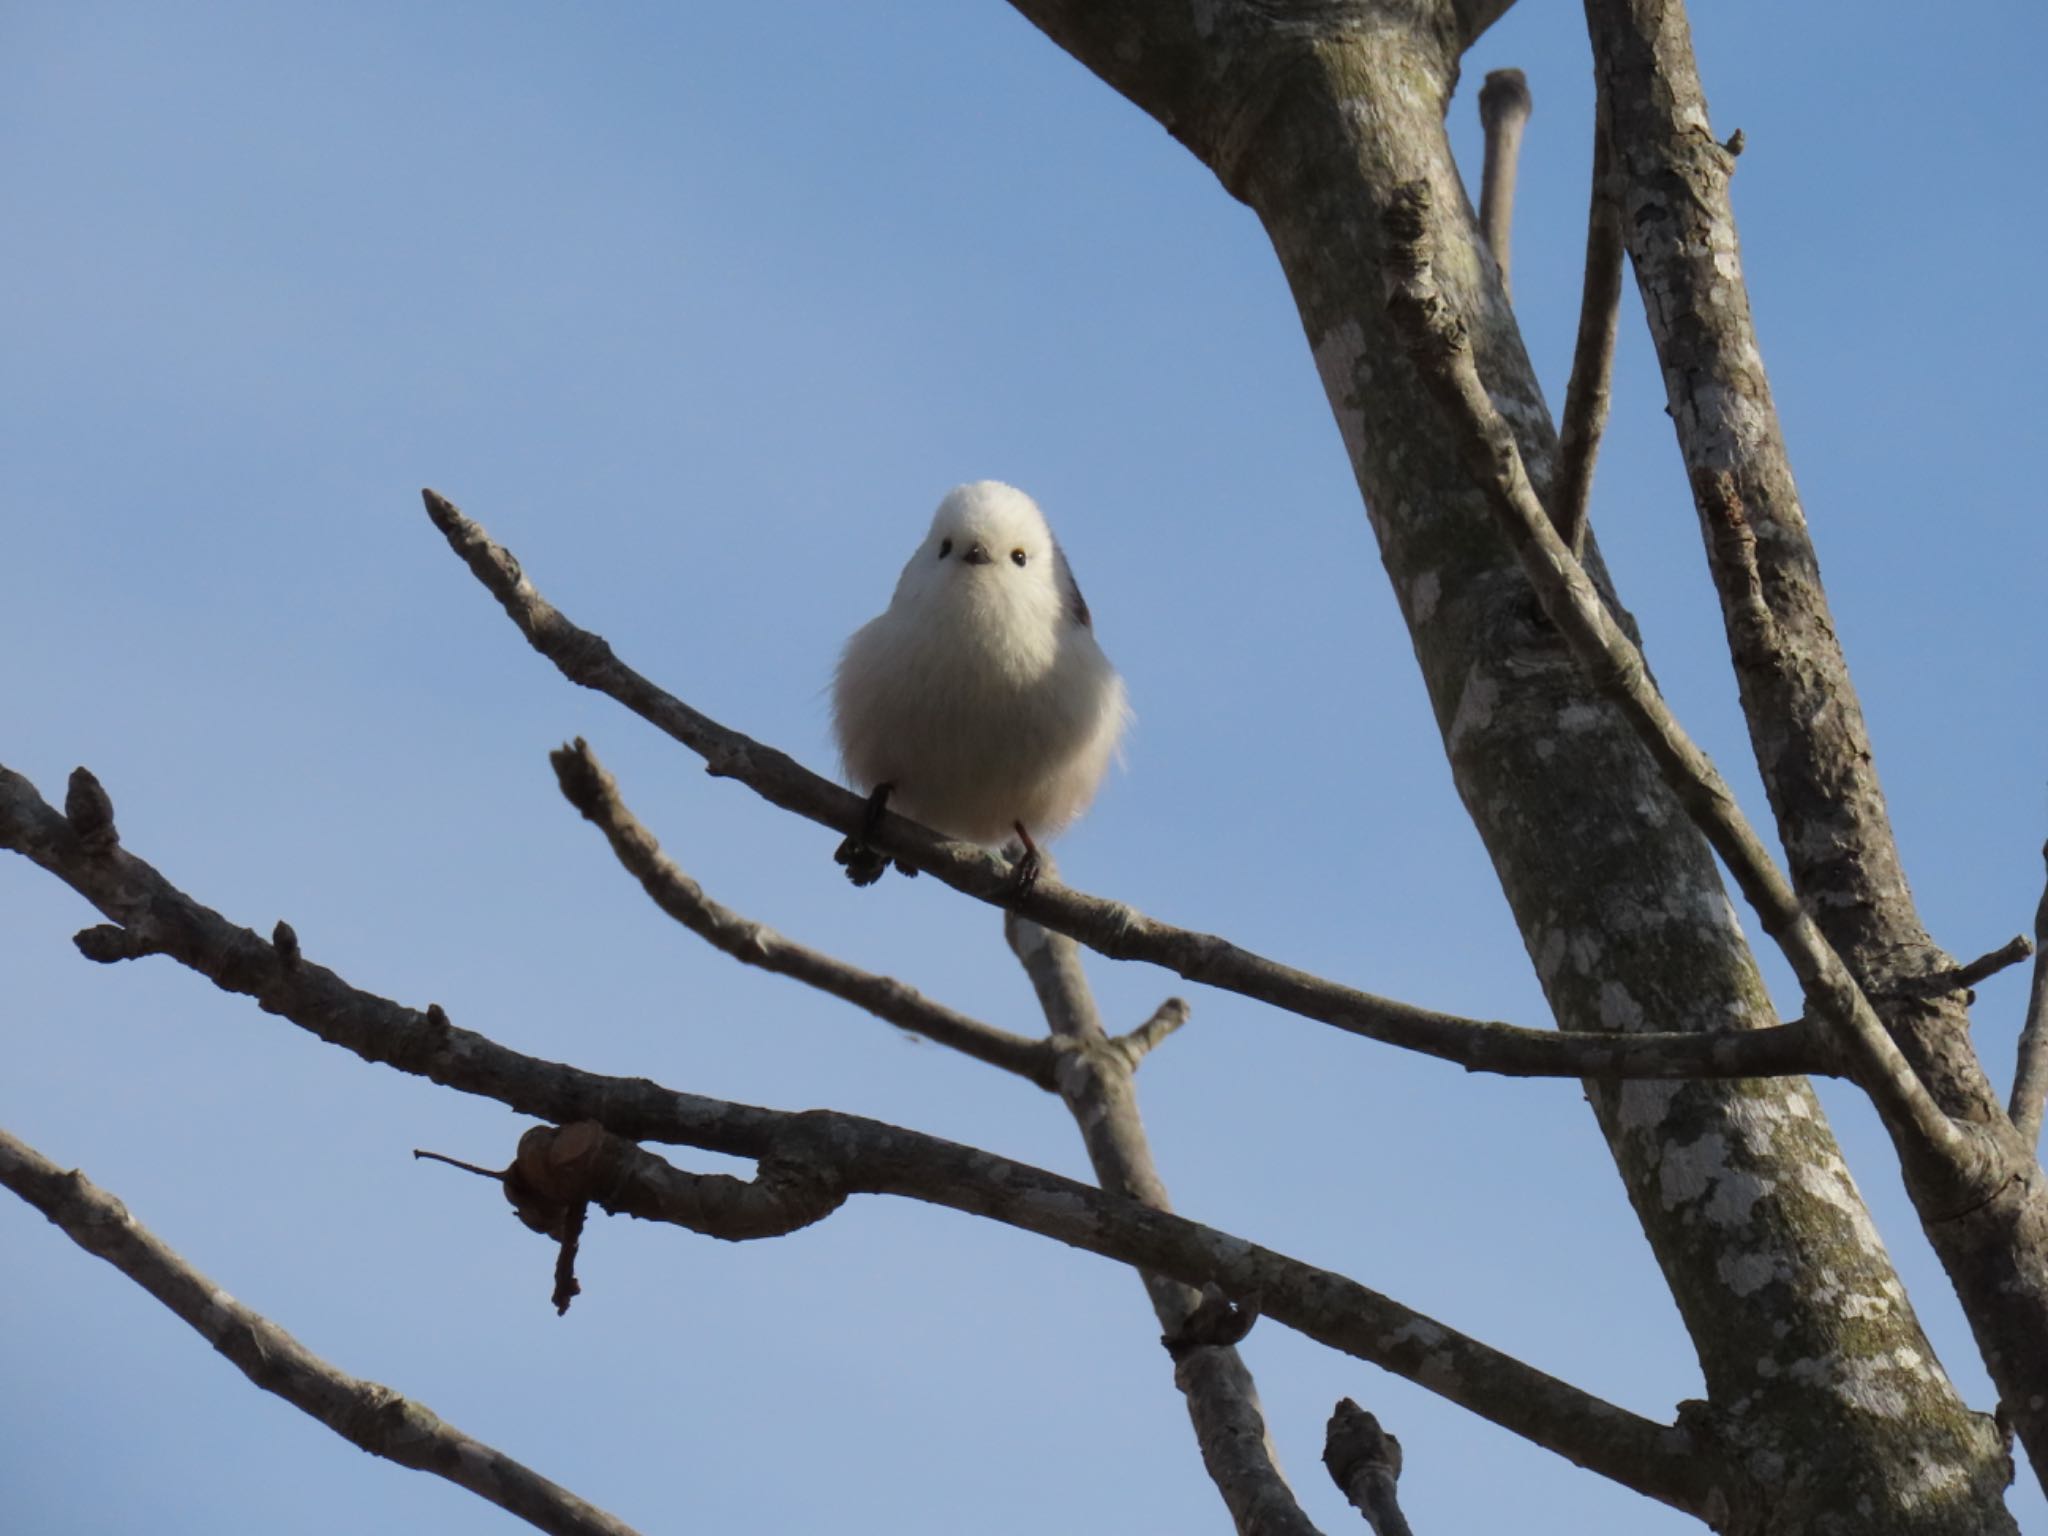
1822, 1391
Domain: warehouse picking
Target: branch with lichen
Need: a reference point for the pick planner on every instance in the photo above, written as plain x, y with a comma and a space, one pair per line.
1952, 1165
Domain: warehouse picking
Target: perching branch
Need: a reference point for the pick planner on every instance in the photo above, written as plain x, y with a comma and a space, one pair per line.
370, 1416
2030, 1082
858, 1156
592, 790
1504, 105
1931, 1146
1365, 1464
1586, 394
1113, 928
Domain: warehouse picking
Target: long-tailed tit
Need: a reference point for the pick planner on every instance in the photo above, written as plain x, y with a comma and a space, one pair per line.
978, 703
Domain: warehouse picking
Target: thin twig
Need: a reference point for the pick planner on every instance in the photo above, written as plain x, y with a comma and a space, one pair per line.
2030, 1082
371, 1416
1504, 105
1109, 927
1136, 1044
1985, 966
863, 1156
1586, 395
1932, 1147
591, 789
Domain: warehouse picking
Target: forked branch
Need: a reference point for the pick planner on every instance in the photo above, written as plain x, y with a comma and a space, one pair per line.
1951, 1164
855, 1155
589, 787
1108, 927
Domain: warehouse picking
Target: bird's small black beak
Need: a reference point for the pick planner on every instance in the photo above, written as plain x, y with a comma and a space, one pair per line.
977, 555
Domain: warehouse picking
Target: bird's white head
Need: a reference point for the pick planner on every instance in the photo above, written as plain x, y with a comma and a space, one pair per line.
990, 558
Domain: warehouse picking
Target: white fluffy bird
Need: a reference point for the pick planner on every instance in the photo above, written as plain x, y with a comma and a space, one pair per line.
978, 703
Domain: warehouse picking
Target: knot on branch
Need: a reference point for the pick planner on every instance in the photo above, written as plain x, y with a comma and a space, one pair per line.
1427, 327
90, 810
106, 943
1216, 1322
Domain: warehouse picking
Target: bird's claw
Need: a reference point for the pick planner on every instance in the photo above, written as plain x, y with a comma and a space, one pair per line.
1024, 872
863, 865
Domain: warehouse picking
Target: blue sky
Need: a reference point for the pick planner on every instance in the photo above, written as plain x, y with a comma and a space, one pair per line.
700, 310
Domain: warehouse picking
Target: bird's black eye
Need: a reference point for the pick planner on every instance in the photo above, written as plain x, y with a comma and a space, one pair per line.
945, 548
1016, 557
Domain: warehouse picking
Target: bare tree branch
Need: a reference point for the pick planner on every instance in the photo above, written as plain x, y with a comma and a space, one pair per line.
2030, 1081
1933, 1148
1220, 1395
1113, 928
1504, 105
1586, 395
370, 1416
1221, 1398
1807, 730
592, 790
1365, 1463
1096, 1084
849, 1154
859, 1156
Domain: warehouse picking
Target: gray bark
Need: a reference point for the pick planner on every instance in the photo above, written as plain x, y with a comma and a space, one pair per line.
1097, 1082
1314, 119
1806, 727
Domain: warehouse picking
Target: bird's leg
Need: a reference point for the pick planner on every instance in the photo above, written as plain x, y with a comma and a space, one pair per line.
1024, 872
864, 866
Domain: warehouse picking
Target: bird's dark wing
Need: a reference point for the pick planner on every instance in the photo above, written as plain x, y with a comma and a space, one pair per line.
1077, 605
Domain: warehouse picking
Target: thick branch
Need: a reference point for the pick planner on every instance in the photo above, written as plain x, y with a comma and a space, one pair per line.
1806, 725
592, 790
1111, 928
368, 1415
1934, 1149
863, 1156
